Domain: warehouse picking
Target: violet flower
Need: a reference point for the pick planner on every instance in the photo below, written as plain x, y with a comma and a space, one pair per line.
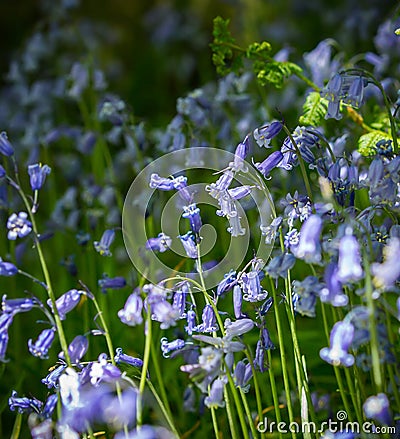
340, 340
42, 345
378, 408
37, 174
103, 246
18, 226
160, 244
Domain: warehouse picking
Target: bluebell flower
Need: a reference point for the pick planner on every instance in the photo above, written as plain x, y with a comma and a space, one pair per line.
49, 406
259, 361
14, 306
216, 190
24, 404
5, 321
131, 314
349, 262
309, 247
102, 370
170, 346
252, 289
242, 375
76, 349
37, 174
320, 63
333, 291
378, 408
160, 244
67, 302
291, 239
341, 337
192, 213
270, 232
5, 146
386, 274
7, 268
280, 265
237, 301
237, 328
189, 244
163, 312
264, 134
215, 397
333, 93
237, 193
189, 399
190, 322
167, 184
44, 430
3, 172
18, 226
42, 345
51, 380
241, 152
227, 283
179, 302
103, 246
304, 305
209, 321
113, 283
271, 162
235, 228
121, 357
356, 92
3, 345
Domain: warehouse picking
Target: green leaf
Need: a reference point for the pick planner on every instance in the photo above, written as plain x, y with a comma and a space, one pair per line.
314, 109
367, 142
274, 72
258, 50
224, 57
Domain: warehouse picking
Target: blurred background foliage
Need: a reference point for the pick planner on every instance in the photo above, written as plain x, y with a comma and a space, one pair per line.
156, 51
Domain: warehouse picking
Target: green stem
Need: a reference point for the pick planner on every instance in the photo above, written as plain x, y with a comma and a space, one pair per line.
283, 357
248, 414
274, 391
215, 423
256, 384
146, 358
336, 370
50, 291
376, 368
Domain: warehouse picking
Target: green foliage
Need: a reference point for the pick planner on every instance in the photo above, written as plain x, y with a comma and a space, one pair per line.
228, 57
367, 142
275, 72
224, 57
314, 109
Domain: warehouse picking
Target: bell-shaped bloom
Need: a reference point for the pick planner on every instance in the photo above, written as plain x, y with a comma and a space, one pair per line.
237, 193
340, 340
242, 375
67, 302
41, 346
356, 92
18, 226
378, 408
51, 380
209, 321
77, 349
252, 289
235, 228
264, 134
237, 328
349, 262
121, 357
170, 346
7, 268
387, 273
192, 213
215, 398
241, 152
102, 370
103, 246
14, 306
5, 146
270, 163
167, 184
24, 404
37, 175
237, 301
131, 314
333, 291
112, 283
190, 322
217, 189
189, 244
227, 283
159, 244
309, 247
